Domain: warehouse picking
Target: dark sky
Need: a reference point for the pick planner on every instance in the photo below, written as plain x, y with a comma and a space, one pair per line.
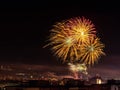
25, 25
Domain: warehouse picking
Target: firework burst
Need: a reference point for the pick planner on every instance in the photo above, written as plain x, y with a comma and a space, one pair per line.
91, 51
67, 37
82, 28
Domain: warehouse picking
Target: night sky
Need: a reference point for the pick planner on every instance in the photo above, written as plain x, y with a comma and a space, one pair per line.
25, 25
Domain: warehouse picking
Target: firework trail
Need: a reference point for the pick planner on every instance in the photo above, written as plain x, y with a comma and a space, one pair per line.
78, 68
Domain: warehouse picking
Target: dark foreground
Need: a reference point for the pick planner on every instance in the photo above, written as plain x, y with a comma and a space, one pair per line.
48, 85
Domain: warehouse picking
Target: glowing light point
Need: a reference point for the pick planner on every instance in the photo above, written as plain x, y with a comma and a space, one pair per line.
82, 33
69, 41
98, 81
91, 48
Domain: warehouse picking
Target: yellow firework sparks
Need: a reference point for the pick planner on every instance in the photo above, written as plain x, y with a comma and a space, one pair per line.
67, 37
91, 50
82, 28
63, 45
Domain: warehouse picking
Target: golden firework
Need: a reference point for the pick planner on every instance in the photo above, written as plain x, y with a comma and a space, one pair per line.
82, 28
91, 51
67, 36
